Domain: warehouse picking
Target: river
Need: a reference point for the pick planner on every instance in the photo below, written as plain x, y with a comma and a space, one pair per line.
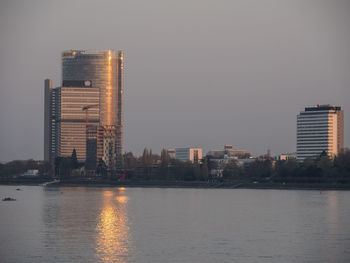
109, 224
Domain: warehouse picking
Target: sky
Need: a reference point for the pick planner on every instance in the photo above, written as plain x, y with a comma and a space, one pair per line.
197, 72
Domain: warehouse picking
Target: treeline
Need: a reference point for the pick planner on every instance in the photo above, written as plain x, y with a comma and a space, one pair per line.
320, 170
18, 167
152, 166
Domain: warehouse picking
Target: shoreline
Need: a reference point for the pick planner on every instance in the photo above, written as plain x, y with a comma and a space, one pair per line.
183, 184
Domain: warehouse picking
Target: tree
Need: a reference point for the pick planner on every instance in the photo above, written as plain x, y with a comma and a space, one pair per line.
147, 163
232, 171
164, 164
66, 166
74, 159
258, 169
204, 169
197, 172
145, 157
101, 168
342, 163
130, 161
325, 164
286, 168
164, 157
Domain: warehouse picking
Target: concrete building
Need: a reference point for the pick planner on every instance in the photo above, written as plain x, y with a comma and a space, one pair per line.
320, 128
98, 73
193, 155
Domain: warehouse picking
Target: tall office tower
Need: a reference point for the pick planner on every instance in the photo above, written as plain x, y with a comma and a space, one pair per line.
104, 69
320, 128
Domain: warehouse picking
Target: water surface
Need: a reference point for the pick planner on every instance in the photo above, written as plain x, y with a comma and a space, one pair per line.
88, 224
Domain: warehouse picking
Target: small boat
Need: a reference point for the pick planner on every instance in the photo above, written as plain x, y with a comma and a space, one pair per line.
18, 189
8, 199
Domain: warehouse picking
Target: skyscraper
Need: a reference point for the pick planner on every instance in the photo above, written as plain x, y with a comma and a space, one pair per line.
87, 72
320, 128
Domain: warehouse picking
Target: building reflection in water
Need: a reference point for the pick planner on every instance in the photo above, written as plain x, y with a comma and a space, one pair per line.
333, 213
334, 251
113, 239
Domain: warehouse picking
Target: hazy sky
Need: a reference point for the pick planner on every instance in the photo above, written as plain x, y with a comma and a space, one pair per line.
197, 73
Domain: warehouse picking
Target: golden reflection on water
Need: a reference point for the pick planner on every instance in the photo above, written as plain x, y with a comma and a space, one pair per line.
113, 235
333, 213
334, 251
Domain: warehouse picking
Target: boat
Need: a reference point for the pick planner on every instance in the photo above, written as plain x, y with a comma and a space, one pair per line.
8, 199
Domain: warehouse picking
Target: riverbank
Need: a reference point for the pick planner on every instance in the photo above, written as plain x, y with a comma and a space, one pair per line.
205, 185
89, 182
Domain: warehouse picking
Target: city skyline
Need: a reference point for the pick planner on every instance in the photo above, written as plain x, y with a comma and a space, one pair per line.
224, 73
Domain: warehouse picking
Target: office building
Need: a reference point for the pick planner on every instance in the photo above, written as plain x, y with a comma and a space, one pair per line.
68, 120
320, 129
193, 155
89, 78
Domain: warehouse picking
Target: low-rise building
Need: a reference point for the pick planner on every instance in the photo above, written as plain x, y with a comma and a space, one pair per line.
171, 153
287, 156
193, 155
31, 172
228, 151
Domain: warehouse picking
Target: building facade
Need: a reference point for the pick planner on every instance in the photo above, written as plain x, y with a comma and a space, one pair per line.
89, 77
48, 125
193, 155
320, 129
67, 121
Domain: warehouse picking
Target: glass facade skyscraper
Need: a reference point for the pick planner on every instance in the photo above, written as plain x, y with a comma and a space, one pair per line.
102, 70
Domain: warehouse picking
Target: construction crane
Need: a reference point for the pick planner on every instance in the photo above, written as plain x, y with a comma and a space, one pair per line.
86, 109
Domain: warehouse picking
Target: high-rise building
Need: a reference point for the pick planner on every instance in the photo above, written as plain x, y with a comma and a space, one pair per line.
89, 78
320, 129
48, 129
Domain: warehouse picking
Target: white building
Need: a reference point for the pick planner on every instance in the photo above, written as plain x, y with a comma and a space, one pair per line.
193, 155
320, 128
31, 172
171, 153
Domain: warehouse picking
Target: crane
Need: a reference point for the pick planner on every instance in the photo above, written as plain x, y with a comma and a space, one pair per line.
86, 109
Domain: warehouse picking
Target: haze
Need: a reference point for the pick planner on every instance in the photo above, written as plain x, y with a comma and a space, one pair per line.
197, 73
